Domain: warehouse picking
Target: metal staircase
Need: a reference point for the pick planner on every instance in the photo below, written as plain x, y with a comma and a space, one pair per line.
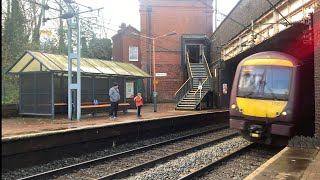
199, 74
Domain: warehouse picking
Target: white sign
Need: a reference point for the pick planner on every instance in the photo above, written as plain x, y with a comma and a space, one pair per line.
225, 88
161, 74
200, 86
129, 89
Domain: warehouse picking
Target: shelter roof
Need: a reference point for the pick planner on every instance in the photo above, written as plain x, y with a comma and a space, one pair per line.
32, 61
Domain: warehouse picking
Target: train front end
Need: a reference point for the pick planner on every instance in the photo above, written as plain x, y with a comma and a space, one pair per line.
261, 105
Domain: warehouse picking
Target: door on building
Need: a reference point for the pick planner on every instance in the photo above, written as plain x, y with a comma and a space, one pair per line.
195, 51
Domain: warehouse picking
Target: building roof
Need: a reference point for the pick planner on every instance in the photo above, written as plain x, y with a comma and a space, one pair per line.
32, 61
123, 31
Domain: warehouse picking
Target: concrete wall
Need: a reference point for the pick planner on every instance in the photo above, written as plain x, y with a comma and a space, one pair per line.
158, 17
316, 25
239, 18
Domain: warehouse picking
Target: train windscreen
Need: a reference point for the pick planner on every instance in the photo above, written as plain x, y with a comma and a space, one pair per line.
264, 82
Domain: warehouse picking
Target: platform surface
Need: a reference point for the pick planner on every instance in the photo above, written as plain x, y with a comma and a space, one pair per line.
290, 163
21, 126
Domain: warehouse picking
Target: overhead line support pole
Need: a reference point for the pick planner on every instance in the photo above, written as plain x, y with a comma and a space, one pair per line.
74, 87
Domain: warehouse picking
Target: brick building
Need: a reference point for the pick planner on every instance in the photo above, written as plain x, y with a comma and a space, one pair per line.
192, 22
126, 46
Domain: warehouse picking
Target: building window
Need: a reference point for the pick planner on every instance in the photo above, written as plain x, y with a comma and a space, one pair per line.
133, 53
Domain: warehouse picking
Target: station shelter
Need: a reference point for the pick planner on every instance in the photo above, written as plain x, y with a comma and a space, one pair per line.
43, 82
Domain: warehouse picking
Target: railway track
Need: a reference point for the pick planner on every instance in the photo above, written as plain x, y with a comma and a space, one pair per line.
122, 164
235, 165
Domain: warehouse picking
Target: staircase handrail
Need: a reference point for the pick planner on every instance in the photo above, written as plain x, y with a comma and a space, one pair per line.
206, 64
189, 66
181, 86
201, 85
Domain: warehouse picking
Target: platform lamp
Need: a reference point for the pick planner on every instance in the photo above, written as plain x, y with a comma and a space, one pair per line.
155, 82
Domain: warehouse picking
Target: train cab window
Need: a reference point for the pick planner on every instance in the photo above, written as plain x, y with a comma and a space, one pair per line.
264, 82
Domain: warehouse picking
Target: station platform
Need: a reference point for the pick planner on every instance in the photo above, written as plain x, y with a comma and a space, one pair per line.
28, 126
292, 162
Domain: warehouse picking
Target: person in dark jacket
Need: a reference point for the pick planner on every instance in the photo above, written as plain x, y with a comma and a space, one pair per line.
114, 99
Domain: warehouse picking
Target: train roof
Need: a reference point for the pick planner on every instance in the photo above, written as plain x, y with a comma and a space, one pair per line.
273, 55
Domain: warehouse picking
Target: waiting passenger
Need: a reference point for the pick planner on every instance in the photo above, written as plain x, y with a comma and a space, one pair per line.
114, 99
139, 103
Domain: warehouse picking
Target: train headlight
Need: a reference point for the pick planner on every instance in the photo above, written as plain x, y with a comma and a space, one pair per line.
284, 113
233, 106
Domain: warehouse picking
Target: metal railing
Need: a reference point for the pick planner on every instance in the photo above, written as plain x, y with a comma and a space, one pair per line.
178, 94
201, 85
181, 86
206, 64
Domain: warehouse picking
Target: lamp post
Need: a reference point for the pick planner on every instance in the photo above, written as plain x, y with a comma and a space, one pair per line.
155, 82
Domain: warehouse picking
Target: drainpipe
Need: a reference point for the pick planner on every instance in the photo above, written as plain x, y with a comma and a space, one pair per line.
149, 10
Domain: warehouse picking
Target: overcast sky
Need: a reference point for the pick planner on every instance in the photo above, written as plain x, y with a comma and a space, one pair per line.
115, 12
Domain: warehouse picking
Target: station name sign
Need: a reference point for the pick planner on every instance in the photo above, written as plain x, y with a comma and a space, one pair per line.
161, 74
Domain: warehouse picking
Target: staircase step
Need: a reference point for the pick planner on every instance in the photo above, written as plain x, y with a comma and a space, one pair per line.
185, 108
195, 97
185, 105
188, 100
192, 98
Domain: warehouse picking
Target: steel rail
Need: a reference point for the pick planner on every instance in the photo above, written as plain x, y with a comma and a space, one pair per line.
152, 163
63, 170
211, 166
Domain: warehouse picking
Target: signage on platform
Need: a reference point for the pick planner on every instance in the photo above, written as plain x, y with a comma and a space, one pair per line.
161, 74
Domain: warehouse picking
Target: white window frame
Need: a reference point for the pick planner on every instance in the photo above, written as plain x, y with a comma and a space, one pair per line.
136, 50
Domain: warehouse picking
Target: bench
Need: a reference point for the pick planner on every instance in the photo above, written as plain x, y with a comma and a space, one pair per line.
98, 106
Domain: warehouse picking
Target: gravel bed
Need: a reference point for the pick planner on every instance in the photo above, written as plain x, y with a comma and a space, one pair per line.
304, 142
23, 172
107, 168
174, 168
241, 166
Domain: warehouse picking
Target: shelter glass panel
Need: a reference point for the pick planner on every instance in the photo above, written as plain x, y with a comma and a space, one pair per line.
130, 69
23, 61
144, 74
45, 61
87, 67
27, 103
33, 66
27, 99
35, 93
27, 83
43, 93
86, 90
118, 69
102, 89
43, 105
101, 66
60, 89
60, 61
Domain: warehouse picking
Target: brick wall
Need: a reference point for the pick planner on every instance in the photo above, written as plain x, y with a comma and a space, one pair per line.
316, 26
181, 16
121, 43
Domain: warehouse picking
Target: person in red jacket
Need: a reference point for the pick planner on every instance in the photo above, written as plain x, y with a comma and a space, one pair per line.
139, 103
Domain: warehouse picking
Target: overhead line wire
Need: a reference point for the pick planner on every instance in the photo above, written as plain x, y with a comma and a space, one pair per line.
134, 37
